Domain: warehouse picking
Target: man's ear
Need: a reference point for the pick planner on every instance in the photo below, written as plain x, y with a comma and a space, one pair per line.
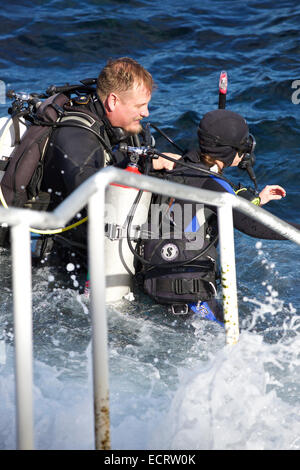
111, 102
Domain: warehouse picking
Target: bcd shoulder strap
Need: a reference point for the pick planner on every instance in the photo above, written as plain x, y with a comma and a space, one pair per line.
80, 119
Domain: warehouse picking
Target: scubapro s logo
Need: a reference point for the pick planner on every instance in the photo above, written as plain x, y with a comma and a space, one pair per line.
169, 252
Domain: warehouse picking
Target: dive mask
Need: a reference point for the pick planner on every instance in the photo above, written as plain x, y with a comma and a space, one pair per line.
248, 159
248, 150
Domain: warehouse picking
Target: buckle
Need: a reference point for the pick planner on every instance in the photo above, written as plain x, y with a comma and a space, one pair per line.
178, 286
187, 286
180, 309
116, 232
113, 231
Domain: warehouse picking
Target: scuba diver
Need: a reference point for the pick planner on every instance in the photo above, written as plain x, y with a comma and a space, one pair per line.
121, 100
71, 138
178, 264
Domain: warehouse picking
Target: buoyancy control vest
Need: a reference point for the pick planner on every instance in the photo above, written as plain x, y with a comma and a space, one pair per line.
23, 174
23, 168
20, 185
176, 261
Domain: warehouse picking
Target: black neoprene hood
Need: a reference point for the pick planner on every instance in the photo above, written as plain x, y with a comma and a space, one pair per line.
221, 133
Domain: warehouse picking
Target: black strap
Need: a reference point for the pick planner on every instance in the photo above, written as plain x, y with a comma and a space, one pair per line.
60, 111
4, 165
181, 286
80, 126
16, 129
16, 123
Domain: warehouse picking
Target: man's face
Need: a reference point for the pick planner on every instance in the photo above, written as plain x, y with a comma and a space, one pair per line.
127, 109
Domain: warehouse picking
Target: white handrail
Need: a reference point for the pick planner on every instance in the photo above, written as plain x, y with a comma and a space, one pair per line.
92, 193
21, 261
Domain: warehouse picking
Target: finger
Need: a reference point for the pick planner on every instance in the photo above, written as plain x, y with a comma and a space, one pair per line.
276, 189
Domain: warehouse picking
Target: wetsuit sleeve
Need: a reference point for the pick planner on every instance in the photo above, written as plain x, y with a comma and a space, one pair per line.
244, 223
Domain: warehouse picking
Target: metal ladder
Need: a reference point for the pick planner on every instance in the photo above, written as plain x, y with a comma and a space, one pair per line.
92, 194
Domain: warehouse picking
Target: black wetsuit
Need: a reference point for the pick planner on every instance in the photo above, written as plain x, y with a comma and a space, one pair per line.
187, 280
73, 155
241, 222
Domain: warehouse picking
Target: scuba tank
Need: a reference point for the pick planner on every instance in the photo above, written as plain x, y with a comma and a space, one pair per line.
8, 140
121, 202
14, 127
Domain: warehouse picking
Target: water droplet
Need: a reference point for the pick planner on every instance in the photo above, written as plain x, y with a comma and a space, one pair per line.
70, 267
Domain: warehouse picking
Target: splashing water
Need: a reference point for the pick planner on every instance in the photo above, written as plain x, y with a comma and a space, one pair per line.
173, 383
232, 402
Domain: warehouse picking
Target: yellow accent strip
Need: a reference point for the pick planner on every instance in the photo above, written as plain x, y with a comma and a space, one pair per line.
59, 230
46, 232
3, 202
256, 201
239, 190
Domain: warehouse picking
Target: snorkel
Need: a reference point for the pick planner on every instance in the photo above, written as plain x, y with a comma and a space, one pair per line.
223, 83
248, 160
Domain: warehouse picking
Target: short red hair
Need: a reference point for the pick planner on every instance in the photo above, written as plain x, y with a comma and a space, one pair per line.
120, 75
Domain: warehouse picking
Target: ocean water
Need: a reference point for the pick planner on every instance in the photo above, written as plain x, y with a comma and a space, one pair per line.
173, 383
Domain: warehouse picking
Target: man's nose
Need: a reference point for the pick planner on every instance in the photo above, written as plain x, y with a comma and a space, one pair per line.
145, 112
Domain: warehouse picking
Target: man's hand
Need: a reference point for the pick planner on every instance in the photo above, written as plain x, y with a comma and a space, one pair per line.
162, 164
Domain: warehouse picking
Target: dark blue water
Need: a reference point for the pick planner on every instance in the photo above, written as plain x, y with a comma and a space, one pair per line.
185, 46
